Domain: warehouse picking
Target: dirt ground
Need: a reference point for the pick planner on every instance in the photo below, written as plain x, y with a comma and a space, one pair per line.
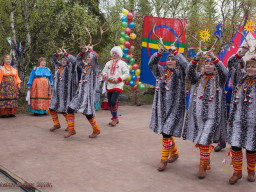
120, 159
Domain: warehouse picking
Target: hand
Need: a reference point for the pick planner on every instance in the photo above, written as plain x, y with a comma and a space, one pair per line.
210, 54
85, 49
199, 55
172, 48
162, 49
29, 88
64, 51
59, 52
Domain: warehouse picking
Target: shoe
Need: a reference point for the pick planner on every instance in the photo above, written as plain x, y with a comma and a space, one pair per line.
69, 133
55, 127
94, 134
251, 176
114, 122
11, 115
173, 158
219, 147
235, 177
3, 116
201, 172
162, 165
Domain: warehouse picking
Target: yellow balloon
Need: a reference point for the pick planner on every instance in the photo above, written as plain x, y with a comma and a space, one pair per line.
137, 72
122, 47
130, 67
129, 78
125, 12
132, 36
137, 82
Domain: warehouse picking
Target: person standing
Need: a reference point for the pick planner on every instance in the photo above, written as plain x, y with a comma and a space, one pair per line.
206, 118
115, 72
9, 88
40, 84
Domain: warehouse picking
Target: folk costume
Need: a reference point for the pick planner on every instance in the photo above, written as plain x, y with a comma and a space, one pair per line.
169, 104
40, 83
9, 89
65, 81
206, 118
84, 98
115, 69
242, 132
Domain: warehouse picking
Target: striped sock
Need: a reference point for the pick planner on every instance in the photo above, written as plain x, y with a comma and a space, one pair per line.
70, 120
237, 161
174, 150
166, 149
205, 151
251, 161
94, 124
114, 112
55, 118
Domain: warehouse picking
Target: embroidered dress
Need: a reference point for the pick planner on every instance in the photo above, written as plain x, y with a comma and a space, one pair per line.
169, 100
242, 132
41, 82
9, 90
84, 99
206, 118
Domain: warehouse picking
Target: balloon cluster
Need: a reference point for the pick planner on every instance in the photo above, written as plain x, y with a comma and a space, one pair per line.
127, 46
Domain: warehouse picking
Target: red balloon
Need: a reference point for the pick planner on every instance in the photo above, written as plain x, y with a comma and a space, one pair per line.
138, 78
127, 44
134, 87
129, 53
128, 31
135, 66
126, 82
129, 15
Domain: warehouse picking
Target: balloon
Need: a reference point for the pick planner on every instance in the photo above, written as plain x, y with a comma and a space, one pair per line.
132, 61
141, 87
134, 77
122, 47
132, 48
122, 40
130, 67
138, 78
124, 24
122, 34
135, 66
126, 37
128, 57
124, 19
132, 35
137, 72
137, 82
128, 31
129, 78
125, 12
131, 25
127, 44
125, 50
129, 15
132, 72
132, 83
124, 55
126, 82
135, 87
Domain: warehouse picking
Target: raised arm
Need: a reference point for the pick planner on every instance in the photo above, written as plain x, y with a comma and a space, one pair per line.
54, 61
156, 69
94, 61
191, 72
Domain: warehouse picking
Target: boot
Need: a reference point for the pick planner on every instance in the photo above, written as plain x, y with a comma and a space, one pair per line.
114, 122
220, 146
235, 177
55, 127
173, 158
251, 176
94, 134
70, 133
201, 172
162, 165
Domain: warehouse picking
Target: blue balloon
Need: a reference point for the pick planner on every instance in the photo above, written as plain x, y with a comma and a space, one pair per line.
132, 72
134, 77
132, 83
124, 54
131, 25
124, 19
125, 50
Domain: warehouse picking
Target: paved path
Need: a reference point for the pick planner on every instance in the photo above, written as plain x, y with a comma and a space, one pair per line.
120, 159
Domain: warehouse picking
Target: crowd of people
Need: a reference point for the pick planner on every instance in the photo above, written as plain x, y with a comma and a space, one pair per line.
73, 89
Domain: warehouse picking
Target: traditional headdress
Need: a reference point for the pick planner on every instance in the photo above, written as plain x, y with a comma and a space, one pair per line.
118, 50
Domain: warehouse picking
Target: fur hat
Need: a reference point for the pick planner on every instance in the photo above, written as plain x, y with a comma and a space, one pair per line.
118, 50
